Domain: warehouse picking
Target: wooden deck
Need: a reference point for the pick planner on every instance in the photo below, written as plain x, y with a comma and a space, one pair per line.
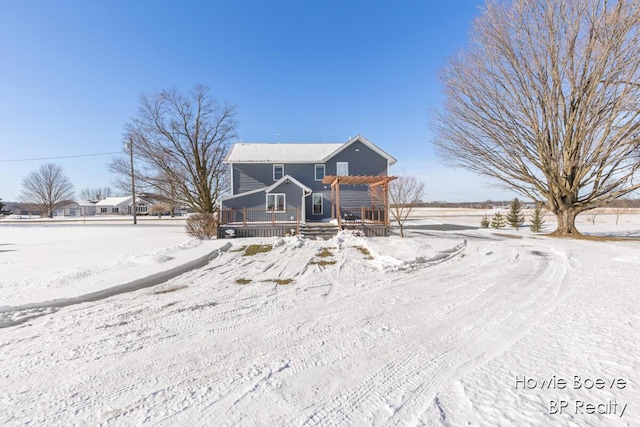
253, 230
269, 223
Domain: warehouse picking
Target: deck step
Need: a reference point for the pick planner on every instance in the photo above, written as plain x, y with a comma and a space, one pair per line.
318, 230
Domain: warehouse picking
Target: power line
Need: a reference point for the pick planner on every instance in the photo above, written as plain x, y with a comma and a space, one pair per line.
60, 157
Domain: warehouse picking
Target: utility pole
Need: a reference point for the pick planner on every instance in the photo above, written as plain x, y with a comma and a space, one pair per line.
133, 181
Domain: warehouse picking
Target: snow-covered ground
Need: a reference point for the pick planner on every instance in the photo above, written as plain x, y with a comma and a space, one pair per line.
469, 327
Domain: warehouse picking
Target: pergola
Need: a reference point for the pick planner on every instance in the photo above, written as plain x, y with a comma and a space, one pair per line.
370, 180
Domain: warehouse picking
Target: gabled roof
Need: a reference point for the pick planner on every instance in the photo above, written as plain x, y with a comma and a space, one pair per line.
287, 178
113, 201
279, 153
294, 153
270, 188
366, 142
116, 201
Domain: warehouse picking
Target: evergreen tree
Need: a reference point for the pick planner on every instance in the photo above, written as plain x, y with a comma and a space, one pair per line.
484, 222
515, 217
3, 211
537, 221
498, 220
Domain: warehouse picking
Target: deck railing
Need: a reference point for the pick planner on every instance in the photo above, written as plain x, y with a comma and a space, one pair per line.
362, 215
259, 217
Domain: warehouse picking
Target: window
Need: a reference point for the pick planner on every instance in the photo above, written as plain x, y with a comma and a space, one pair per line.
317, 203
278, 172
103, 210
276, 201
141, 209
319, 172
342, 168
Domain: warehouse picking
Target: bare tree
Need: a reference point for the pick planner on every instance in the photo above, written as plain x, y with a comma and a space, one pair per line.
546, 102
621, 207
95, 194
404, 194
179, 145
47, 188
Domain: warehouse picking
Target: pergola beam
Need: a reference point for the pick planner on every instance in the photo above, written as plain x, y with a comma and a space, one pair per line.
370, 180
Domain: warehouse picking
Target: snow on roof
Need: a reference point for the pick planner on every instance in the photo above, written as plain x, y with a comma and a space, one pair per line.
295, 153
285, 153
113, 201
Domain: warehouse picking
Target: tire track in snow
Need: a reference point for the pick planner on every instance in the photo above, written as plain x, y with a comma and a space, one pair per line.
419, 376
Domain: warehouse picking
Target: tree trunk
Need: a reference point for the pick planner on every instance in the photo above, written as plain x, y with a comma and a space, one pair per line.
566, 217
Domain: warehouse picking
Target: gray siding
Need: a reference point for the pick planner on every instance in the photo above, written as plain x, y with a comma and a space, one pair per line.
258, 200
364, 161
326, 208
293, 194
250, 201
251, 176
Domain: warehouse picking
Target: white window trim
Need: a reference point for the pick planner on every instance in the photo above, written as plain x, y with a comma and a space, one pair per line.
315, 173
321, 204
346, 164
284, 198
274, 171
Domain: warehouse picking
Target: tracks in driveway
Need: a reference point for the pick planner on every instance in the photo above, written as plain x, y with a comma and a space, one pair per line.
354, 345
348, 343
12, 316
487, 316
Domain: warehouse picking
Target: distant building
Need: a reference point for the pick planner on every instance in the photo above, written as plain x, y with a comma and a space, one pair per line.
122, 206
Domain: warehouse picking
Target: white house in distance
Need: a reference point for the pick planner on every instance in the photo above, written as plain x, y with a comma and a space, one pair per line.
122, 206
87, 207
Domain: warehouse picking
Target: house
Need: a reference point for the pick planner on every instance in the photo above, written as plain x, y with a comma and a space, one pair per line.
68, 209
87, 207
308, 182
122, 206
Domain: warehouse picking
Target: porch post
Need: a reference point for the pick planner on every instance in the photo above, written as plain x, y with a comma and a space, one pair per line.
338, 202
244, 217
298, 222
362, 214
386, 203
333, 203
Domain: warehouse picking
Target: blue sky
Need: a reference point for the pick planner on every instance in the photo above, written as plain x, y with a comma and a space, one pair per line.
308, 71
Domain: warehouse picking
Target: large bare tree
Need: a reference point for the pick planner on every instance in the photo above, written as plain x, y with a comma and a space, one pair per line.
47, 188
546, 102
179, 144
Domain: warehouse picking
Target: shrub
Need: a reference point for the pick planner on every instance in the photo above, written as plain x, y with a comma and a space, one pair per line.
498, 221
158, 209
202, 225
537, 221
484, 222
515, 218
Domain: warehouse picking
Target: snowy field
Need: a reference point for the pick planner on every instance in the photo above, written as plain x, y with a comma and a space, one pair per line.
455, 328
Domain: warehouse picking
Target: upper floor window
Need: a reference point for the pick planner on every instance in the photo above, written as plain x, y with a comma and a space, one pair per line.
278, 172
319, 172
342, 168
